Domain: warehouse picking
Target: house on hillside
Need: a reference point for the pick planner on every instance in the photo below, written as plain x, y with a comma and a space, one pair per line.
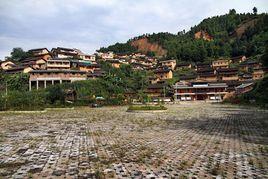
168, 63
238, 59
153, 80
206, 74
163, 73
58, 64
258, 73
107, 56
88, 67
19, 69
244, 88
191, 91
7, 64
96, 73
41, 53
61, 52
221, 63
185, 65
37, 62
85, 57
227, 74
115, 63
200, 66
248, 66
158, 90
43, 78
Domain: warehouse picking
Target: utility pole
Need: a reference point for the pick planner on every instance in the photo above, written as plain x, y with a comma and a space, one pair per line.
6, 97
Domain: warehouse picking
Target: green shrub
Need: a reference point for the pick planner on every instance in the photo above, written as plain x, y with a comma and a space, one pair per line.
146, 108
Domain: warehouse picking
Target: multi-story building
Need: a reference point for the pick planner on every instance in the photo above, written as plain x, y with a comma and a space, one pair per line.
191, 91
7, 64
43, 78
59, 64
227, 74
258, 73
248, 66
34, 62
41, 53
185, 65
107, 56
88, 67
206, 74
163, 73
168, 63
238, 59
221, 63
61, 52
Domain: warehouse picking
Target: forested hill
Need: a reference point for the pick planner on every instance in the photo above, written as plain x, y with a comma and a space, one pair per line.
227, 35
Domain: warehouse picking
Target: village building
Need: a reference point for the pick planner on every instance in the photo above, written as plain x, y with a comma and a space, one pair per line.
88, 67
244, 88
227, 74
61, 52
185, 65
42, 53
58, 64
168, 63
138, 66
206, 74
7, 64
157, 90
34, 62
258, 73
163, 73
245, 76
107, 56
221, 63
115, 63
238, 59
248, 66
85, 57
191, 91
153, 80
97, 73
19, 69
188, 78
43, 78
201, 66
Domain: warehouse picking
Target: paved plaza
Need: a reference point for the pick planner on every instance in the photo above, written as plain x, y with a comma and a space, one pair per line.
198, 140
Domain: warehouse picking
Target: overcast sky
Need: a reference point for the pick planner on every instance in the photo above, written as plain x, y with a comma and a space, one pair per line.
91, 24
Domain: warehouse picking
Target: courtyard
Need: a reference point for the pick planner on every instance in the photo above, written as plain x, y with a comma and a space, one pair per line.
196, 139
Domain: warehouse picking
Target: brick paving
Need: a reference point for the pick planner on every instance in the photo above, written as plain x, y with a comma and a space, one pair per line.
198, 140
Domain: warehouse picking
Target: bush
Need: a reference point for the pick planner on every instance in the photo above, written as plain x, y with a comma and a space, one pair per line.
55, 95
27, 100
146, 108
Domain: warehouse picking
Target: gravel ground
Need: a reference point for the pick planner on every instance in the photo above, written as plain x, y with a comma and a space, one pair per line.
199, 140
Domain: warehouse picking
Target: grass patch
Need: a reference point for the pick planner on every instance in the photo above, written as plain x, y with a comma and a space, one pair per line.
146, 108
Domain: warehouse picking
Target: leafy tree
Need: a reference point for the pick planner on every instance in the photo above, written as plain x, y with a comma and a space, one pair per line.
255, 10
18, 54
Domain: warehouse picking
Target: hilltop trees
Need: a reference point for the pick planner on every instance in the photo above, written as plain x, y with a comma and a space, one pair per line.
225, 41
255, 10
18, 54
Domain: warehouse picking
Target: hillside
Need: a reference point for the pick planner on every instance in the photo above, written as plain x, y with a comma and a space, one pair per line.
227, 35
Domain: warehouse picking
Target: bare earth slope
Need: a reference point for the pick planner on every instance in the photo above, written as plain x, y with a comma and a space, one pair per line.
145, 46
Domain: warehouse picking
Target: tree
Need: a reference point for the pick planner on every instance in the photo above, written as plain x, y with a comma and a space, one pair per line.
18, 54
255, 10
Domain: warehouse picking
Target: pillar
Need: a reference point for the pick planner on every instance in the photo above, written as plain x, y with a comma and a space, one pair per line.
30, 85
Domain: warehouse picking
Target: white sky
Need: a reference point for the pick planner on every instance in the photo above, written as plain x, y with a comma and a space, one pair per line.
91, 24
